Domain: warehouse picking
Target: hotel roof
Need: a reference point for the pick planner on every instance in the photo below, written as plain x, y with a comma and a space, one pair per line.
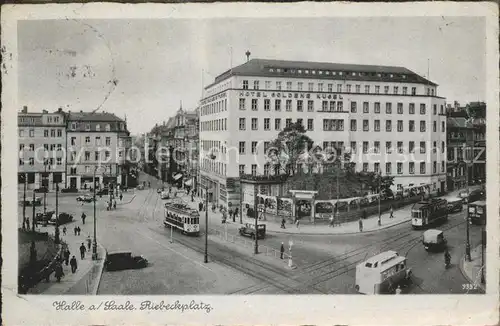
323, 70
89, 116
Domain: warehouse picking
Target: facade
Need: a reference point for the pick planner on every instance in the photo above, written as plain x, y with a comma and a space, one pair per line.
96, 144
389, 118
460, 134
42, 144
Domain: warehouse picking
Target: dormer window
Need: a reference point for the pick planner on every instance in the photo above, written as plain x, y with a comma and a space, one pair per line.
271, 70
340, 73
97, 127
307, 71
320, 72
379, 75
108, 127
404, 76
354, 74
73, 125
278, 70
334, 73
327, 72
392, 75
87, 127
300, 71
313, 72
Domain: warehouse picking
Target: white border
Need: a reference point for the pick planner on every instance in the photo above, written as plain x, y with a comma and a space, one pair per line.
339, 309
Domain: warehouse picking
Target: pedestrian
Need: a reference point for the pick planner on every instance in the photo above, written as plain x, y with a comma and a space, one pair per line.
83, 218
149, 184
282, 250
379, 221
27, 224
121, 197
283, 221
76, 230
192, 197
391, 212
114, 204
331, 221
236, 211
89, 242
200, 206
59, 273
64, 230
82, 251
297, 223
66, 256
74, 264
360, 225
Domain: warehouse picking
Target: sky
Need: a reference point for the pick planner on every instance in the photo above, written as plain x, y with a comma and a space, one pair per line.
142, 69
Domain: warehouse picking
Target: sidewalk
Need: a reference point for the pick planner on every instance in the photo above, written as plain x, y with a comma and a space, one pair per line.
472, 270
84, 267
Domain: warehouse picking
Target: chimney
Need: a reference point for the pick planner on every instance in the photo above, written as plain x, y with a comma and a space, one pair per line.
45, 111
25, 109
81, 111
59, 110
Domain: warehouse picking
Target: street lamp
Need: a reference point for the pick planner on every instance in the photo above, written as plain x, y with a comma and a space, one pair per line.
467, 240
94, 245
379, 194
44, 178
206, 224
57, 239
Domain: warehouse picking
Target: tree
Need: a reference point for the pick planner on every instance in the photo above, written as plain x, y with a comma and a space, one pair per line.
288, 147
373, 180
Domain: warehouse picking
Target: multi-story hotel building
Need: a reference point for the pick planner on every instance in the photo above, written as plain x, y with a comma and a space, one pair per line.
96, 143
42, 143
390, 119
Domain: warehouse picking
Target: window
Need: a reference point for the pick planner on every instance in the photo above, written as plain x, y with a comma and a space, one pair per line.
241, 169
400, 168
388, 147
254, 104
96, 156
400, 125
277, 105
377, 89
400, 108
434, 167
242, 104
288, 105
108, 141
411, 167
255, 84
288, 123
324, 106
422, 108
441, 110
310, 87
266, 147
367, 89
242, 124
353, 107
365, 147
377, 107
340, 105
32, 147
348, 88
254, 124
21, 162
267, 105
87, 156
400, 147
310, 106
422, 126
413, 91
422, 167
422, 147
278, 85
46, 133
353, 125
442, 166
300, 85
267, 123
434, 147
386, 89
411, 147
242, 147
97, 127
388, 125
268, 84
288, 86
366, 126
376, 125
32, 132
254, 147
330, 88
320, 87
376, 167
339, 88
388, 108
443, 126
442, 147
353, 147
405, 90
98, 141
31, 161
87, 127
59, 133
21, 133
395, 89
434, 126
388, 168
254, 169
299, 122
365, 167
358, 88
434, 109
266, 169
300, 106
277, 124
376, 146
21, 147
107, 154
411, 126
245, 84
310, 124
87, 140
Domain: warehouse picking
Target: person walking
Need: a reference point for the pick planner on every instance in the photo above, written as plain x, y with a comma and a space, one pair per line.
27, 224
236, 212
74, 264
83, 218
297, 223
59, 273
121, 196
64, 230
360, 225
114, 204
76, 230
283, 221
282, 250
66, 256
379, 221
391, 212
200, 206
82, 251
89, 242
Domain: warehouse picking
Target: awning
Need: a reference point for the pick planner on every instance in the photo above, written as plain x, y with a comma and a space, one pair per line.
177, 176
189, 182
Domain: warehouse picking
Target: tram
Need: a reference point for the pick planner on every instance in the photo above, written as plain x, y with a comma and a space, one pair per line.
426, 213
183, 218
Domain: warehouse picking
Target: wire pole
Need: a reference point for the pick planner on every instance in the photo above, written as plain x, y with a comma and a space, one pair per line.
24, 199
467, 241
206, 225
256, 249
241, 202
34, 220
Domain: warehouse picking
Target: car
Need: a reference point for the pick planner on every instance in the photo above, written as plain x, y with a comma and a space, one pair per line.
69, 190
85, 198
63, 219
44, 217
124, 260
165, 195
42, 190
455, 204
103, 191
471, 196
248, 230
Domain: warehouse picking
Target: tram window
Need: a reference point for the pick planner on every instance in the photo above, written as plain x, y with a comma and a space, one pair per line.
368, 265
397, 268
376, 264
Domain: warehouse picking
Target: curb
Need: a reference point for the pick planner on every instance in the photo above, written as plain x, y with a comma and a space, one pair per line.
100, 271
342, 233
471, 281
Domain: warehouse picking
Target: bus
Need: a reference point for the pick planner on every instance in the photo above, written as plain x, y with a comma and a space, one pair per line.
183, 218
477, 212
430, 212
382, 273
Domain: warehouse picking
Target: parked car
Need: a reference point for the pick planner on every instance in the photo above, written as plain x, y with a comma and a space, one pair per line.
434, 240
85, 198
42, 190
124, 260
472, 196
165, 195
249, 230
63, 219
103, 191
69, 190
455, 204
44, 217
